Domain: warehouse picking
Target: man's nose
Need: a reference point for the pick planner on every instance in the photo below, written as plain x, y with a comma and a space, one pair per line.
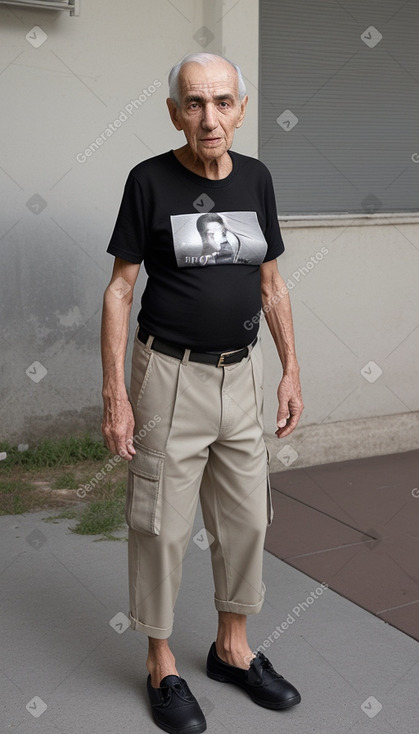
209, 117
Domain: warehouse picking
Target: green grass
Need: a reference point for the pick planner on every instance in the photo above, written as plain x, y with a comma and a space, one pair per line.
100, 514
101, 517
49, 453
32, 478
65, 481
16, 497
11, 486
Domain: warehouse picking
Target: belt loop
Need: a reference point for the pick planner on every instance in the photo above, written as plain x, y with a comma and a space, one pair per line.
185, 358
149, 342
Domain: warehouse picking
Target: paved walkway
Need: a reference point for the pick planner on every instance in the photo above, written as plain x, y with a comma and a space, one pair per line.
355, 525
66, 669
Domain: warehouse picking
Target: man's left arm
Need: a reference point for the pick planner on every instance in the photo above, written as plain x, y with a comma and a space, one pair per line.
277, 311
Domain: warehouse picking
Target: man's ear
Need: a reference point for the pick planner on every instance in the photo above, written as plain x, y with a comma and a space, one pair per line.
243, 106
174, 113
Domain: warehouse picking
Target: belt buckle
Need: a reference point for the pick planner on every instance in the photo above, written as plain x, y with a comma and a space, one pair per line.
223, 355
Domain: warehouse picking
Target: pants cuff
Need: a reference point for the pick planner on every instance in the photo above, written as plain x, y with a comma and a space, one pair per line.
222, 605
157, 632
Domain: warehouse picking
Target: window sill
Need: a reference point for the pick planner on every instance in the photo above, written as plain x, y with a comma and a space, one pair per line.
292, 221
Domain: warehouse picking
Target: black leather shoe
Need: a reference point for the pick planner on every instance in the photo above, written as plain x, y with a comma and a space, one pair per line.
261, 681
174, 708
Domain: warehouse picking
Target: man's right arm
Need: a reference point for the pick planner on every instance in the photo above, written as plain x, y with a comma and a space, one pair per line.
118, 419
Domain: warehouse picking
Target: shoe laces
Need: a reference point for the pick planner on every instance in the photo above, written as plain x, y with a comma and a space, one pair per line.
169, 691
267, 665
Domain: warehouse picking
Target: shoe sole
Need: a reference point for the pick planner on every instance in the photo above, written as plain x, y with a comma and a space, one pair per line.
265, 704
195, 729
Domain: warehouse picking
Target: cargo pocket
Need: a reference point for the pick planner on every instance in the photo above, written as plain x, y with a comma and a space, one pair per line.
269, 506
144, 500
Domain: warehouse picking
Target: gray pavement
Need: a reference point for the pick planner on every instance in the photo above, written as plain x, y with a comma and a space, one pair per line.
65, 668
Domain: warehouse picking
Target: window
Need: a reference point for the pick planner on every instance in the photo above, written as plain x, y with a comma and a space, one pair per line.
339, 104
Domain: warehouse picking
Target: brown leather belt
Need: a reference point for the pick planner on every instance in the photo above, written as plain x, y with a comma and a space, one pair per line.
174, 350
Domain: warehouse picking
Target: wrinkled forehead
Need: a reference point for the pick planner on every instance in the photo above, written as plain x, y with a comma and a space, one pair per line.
212, 79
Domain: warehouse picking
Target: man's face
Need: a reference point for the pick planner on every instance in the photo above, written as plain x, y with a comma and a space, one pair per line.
210, 109
215, 234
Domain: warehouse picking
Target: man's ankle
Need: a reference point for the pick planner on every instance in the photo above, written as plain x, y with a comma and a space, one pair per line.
159, 670
239, 657
160, 661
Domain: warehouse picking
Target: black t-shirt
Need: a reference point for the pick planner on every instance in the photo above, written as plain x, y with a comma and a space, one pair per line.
202, 242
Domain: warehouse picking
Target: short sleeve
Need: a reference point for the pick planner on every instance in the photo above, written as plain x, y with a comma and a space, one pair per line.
272, 232
129, 236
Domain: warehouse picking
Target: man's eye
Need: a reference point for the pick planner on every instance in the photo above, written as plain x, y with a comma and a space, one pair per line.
193, 105
224, 105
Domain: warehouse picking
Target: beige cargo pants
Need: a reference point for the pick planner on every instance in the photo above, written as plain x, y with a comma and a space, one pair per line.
198, 433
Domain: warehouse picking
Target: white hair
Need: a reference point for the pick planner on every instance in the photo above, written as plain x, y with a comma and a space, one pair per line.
200, 58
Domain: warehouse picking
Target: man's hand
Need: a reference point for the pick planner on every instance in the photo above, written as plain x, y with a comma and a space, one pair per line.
118, 426
290, 404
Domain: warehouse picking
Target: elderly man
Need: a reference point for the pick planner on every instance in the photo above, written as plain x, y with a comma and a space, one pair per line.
192, 425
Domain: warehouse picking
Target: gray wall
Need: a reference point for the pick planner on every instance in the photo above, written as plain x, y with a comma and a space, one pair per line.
356, 305
57, 212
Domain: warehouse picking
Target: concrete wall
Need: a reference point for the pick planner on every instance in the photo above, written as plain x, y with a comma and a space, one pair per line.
355, 303
354, 306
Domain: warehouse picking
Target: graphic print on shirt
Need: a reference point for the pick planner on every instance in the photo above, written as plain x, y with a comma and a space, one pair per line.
218, 238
